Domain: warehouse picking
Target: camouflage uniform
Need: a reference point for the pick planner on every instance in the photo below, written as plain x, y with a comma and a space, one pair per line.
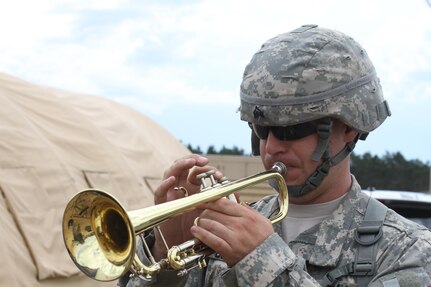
404, 253
319, 75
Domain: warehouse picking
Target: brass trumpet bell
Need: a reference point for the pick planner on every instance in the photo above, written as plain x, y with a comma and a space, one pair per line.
98, 235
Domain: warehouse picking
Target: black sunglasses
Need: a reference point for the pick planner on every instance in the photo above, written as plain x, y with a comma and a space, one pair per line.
285, 133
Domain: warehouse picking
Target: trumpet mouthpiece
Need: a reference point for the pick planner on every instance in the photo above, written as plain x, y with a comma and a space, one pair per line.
280, 168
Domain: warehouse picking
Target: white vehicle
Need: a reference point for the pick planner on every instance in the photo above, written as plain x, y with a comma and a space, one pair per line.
415, 206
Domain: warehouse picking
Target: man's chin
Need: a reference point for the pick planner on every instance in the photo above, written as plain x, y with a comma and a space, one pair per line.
292, 180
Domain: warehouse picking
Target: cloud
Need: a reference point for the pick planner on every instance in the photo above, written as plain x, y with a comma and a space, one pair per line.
157, 56
399, 51
23, 23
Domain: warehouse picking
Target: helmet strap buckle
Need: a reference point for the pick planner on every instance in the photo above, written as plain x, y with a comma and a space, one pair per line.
324, 129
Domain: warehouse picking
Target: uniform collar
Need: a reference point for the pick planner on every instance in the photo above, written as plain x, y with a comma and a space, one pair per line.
322, 244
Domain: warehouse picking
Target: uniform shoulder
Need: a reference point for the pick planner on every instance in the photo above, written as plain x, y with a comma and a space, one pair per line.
397, 224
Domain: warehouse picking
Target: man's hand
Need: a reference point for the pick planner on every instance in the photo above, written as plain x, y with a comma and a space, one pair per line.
183, 173
231, 229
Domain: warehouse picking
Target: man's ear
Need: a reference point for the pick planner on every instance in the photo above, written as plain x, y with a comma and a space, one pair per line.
349, 133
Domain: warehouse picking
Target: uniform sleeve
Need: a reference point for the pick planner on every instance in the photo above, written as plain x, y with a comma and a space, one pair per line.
163, 278
271, 264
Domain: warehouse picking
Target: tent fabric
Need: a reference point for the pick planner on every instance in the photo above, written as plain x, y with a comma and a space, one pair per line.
54, 144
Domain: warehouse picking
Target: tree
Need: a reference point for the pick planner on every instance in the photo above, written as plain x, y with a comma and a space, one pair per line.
194, 150
231, 151
212, 150
392, 171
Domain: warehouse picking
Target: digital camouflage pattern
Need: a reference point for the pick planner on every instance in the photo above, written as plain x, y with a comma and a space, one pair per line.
312, 73
403, 254
309, 74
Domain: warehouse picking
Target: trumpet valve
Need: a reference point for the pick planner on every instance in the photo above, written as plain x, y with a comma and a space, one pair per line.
209, 175
202, 178
224, 180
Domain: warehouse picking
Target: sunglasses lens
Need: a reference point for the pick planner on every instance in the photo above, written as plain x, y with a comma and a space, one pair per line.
285, 133
262, 132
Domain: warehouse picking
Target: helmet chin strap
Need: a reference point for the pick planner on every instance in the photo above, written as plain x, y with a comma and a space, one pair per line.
321, 152
324, 128
316, 178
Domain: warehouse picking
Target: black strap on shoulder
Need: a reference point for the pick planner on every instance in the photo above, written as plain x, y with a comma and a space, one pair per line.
366, 235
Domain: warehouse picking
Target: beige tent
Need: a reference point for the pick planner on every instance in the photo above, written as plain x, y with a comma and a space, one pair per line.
54, 144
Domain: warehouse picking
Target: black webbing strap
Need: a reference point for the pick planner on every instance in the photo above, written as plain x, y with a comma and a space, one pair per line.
366, 235
314, 180
324, 128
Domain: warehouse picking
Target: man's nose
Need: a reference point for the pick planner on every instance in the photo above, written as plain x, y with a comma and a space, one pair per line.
273, 145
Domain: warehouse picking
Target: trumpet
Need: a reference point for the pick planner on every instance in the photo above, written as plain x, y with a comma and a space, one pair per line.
101, 236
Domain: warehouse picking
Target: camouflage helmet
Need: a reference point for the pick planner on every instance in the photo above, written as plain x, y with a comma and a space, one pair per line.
312, 73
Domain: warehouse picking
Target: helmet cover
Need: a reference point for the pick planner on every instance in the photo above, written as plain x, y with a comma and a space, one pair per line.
312, 73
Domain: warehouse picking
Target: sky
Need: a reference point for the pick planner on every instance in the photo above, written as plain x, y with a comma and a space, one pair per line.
180, 62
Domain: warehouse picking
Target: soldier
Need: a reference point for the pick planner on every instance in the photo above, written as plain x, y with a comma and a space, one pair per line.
308, 95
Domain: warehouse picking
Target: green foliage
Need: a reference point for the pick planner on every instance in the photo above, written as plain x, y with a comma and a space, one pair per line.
231, 151
212, 150
392, 171
194, 150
